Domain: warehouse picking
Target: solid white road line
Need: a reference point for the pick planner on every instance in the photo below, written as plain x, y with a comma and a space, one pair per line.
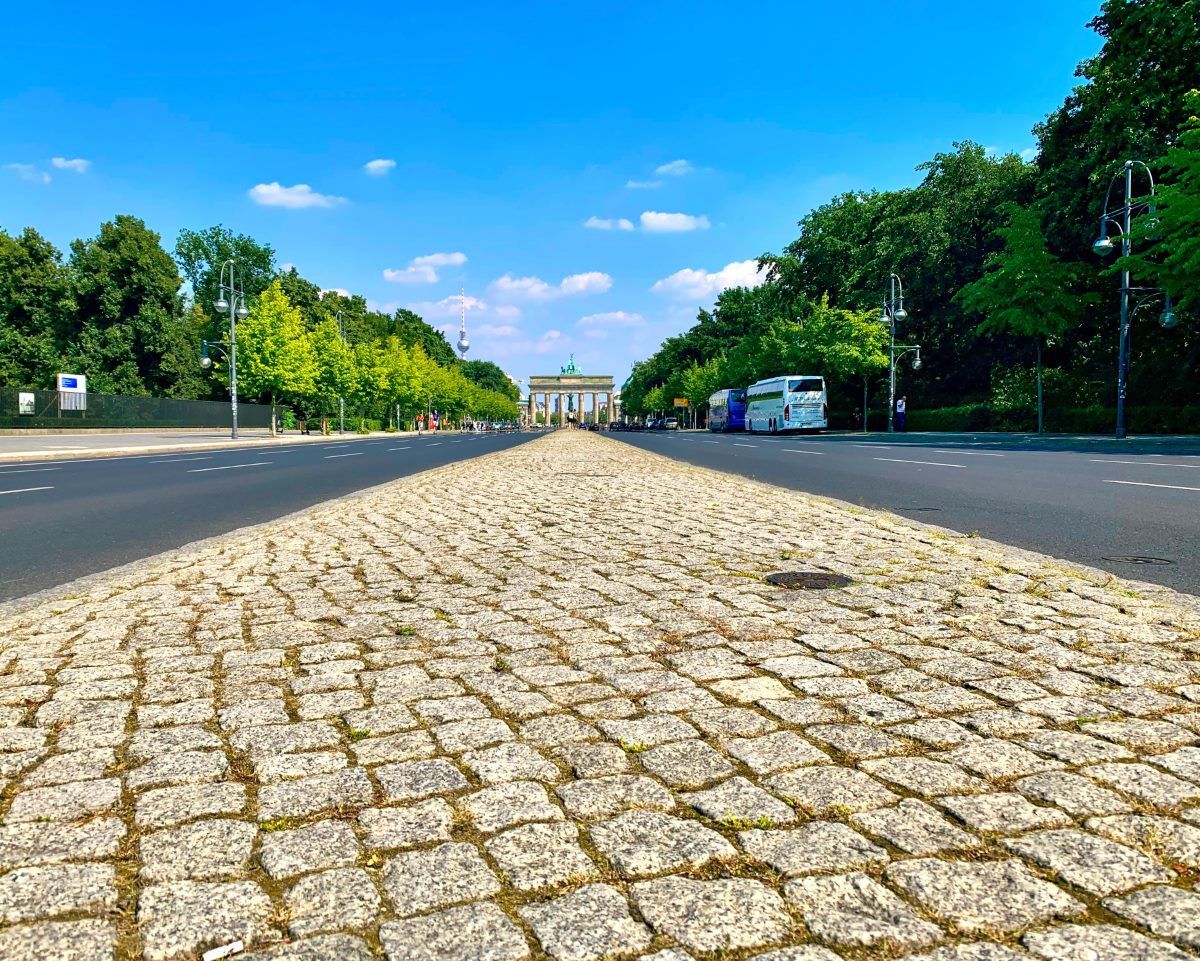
968, 453
792, 450
357, 453
30, 470
1170, 487
1139, 463
928, 463
26, 490
202, 470
179, 460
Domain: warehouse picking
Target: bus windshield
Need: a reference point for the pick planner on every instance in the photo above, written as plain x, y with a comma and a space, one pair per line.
806, 385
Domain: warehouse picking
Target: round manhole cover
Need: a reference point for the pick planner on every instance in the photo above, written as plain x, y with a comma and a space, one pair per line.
1139, 559
808, 580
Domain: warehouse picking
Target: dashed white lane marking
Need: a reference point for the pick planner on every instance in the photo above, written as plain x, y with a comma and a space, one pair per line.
399, 448
792, 450
30, 470
1139, 463
968, 453
745, 445
927, 463
201, 470
26, 490
1170, 487
179, 460
878, 445
712, 442
357, 453
435, 444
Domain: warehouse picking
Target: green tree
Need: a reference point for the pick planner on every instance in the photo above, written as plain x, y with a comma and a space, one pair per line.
336, 376
1172, 259
1026, 291
131, 336
201, 254
412, 331
36, 311
275, 353
490, 377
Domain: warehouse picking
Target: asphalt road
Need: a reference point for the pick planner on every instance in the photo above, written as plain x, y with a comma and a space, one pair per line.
64, 519
1077, 499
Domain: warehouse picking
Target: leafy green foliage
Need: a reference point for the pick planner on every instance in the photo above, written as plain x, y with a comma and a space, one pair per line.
275, 352
490, 377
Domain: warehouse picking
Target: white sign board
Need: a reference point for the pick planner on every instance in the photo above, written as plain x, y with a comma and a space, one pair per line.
72, 392
26, 403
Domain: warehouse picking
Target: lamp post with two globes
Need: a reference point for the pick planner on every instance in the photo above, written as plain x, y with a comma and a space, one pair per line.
1121, 218
893, 310
230, 300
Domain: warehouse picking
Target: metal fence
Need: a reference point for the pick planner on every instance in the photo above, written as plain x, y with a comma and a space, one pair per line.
49, 408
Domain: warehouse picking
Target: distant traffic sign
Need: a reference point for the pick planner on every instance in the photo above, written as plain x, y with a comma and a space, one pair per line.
681, 402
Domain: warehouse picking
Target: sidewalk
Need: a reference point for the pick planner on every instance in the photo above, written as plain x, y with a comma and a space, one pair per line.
557, 711
14, 447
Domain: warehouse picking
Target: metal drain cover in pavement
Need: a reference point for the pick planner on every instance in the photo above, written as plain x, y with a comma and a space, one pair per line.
807, 580
1137, 559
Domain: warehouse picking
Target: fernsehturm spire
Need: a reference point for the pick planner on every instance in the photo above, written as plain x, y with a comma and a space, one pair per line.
463, 344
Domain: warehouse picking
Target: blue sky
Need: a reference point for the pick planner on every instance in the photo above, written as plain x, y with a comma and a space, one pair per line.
591, 173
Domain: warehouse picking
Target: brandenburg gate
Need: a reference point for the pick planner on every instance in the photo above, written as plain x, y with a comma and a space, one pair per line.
570, 383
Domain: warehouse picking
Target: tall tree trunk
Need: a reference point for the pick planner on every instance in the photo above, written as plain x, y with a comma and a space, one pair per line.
1041, 407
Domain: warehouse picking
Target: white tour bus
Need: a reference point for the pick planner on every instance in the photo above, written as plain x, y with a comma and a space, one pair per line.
794, 402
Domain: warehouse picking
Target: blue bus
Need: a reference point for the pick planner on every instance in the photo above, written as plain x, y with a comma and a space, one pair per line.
727, 410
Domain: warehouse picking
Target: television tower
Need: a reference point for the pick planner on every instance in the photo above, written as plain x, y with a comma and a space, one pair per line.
463, 344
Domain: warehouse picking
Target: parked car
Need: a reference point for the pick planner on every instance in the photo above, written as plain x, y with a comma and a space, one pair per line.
670, 424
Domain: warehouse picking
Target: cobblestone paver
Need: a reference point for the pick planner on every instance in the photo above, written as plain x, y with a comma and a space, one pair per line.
544, 705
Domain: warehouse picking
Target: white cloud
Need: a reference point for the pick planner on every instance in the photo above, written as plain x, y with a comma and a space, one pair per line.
421, 270
1028, 154
340, 291
592, 282
534, 288
456, 259
79, 165
692, 284
275, 194
496, 330
643, 184
660, 223
612, 318
29, 172
676, 168
410, 275
599, 223
378, 168
286, 268
448, 306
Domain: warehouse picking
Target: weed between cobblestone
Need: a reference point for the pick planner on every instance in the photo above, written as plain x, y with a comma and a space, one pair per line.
510, 646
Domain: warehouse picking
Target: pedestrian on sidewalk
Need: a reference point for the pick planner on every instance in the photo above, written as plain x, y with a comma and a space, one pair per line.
902, 415
420, 423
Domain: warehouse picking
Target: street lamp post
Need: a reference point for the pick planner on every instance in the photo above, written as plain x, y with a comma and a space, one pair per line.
341, 400
893, 310
231, 299
1121, 218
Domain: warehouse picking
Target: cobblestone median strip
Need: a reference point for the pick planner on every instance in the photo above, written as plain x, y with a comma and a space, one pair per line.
544, 704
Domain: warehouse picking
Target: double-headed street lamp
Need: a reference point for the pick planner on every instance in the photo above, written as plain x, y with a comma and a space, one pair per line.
1121, 218
231, 300
893, 310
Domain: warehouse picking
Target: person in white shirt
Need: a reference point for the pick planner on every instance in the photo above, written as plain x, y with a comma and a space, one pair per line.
901, 414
